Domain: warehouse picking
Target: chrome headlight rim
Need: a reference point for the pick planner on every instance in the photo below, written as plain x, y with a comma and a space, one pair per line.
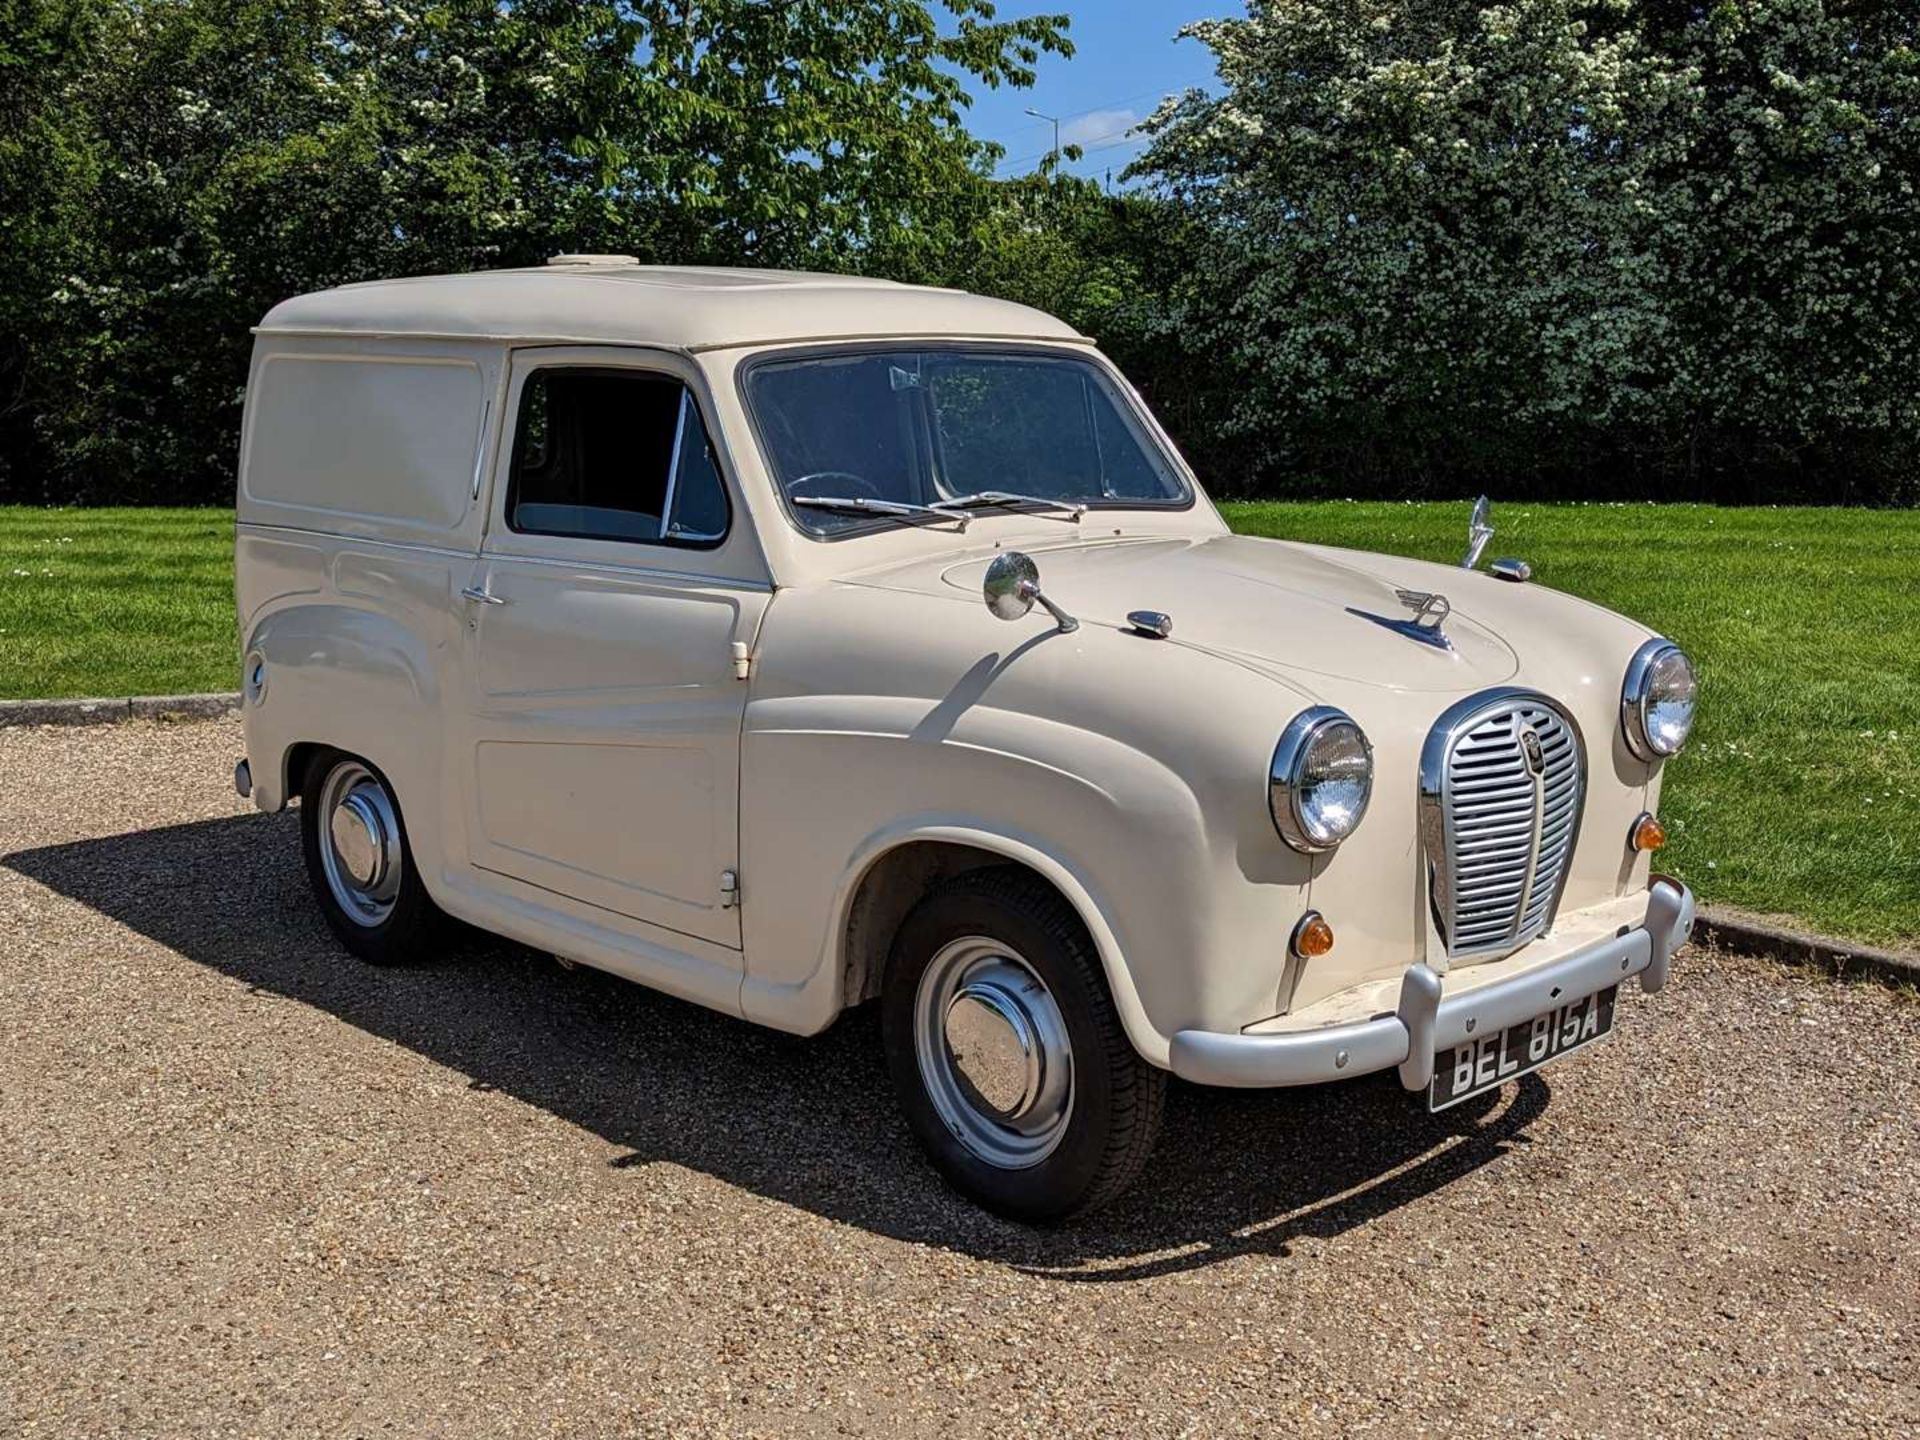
1637, 690
1285, 796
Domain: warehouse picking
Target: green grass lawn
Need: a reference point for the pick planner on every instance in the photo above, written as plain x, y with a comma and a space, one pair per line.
1799, 795
116, 602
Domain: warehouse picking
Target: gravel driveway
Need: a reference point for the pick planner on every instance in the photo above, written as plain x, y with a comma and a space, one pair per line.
254, 1188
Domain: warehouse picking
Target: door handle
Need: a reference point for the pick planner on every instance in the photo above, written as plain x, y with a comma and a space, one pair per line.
481, 597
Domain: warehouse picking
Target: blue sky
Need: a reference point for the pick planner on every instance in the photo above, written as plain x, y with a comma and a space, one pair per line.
1126, 58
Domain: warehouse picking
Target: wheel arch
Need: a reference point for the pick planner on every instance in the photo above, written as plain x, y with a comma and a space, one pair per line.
341, 677
296, 760
897, 867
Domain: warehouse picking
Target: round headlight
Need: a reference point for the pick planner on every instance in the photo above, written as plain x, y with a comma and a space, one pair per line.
1656, 704
1321, 779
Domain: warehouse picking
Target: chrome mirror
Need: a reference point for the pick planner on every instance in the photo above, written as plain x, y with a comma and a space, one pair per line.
1479, 532
1012, 588
1012, 585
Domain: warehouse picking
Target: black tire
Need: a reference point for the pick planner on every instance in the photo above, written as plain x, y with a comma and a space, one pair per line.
411, 921
1116, 1097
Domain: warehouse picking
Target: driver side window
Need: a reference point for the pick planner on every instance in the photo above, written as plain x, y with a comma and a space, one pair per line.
614, 455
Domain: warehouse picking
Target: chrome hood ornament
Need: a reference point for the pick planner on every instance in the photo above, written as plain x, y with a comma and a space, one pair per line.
1430, 612
1479, 532
1430, 608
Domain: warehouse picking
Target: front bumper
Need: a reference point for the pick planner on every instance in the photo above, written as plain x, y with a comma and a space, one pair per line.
1428, 1020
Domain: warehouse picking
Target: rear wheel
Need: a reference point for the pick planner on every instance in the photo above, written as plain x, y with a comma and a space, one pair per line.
1007, 1054
359, 863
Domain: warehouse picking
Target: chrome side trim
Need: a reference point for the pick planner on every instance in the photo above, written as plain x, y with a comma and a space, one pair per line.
1427, 1021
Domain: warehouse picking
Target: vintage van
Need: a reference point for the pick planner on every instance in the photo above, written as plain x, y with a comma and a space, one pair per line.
690, 624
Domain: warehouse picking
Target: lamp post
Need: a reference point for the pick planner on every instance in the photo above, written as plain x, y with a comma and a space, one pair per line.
1055, 121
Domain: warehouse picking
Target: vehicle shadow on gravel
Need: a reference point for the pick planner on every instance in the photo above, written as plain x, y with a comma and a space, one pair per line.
810, 1123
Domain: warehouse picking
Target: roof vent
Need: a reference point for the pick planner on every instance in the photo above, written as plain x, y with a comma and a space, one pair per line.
592, 260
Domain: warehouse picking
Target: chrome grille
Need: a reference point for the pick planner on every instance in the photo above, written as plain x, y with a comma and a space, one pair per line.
1499, 822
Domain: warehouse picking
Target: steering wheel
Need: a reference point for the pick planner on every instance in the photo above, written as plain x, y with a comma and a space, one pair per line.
845, 483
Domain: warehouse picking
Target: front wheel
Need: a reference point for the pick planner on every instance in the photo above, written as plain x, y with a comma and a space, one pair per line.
359, 863
1007, 1054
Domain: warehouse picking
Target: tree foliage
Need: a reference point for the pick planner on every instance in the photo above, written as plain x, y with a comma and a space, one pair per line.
1586, 246
178, 166
1566, 247
47, 171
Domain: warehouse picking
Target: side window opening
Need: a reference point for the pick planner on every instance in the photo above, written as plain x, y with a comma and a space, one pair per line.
614, 455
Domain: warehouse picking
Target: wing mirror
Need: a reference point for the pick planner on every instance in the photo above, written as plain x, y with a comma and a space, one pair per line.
1479, 532
1012, 588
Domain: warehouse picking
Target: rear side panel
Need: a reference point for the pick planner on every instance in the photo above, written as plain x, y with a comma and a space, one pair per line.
358, 519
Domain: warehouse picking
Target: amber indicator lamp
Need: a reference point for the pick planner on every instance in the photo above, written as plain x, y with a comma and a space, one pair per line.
1313, 936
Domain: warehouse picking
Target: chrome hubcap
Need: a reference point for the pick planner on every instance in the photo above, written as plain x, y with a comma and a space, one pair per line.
360, 843
993, 1049
356, 840
993, 1052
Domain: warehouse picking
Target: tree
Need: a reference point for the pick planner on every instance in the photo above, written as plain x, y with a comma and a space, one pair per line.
1594, 245
1790, 235
253, 149
48, 165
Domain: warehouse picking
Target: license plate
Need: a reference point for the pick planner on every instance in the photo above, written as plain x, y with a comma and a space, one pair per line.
1487, 1062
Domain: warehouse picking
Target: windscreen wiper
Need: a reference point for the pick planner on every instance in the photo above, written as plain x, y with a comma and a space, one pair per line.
897, 510
1007, 500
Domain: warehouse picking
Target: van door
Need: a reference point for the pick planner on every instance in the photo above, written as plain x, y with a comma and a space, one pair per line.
617, 578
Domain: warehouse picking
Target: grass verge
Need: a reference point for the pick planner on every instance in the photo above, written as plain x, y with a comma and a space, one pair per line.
1799, 797
116, 602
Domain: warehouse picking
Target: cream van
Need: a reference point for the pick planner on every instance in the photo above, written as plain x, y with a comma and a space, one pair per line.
691, 624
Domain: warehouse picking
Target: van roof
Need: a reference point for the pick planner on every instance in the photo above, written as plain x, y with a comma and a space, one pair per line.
612, 299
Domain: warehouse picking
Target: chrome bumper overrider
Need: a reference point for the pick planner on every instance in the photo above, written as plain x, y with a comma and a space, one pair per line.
1427, 1020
